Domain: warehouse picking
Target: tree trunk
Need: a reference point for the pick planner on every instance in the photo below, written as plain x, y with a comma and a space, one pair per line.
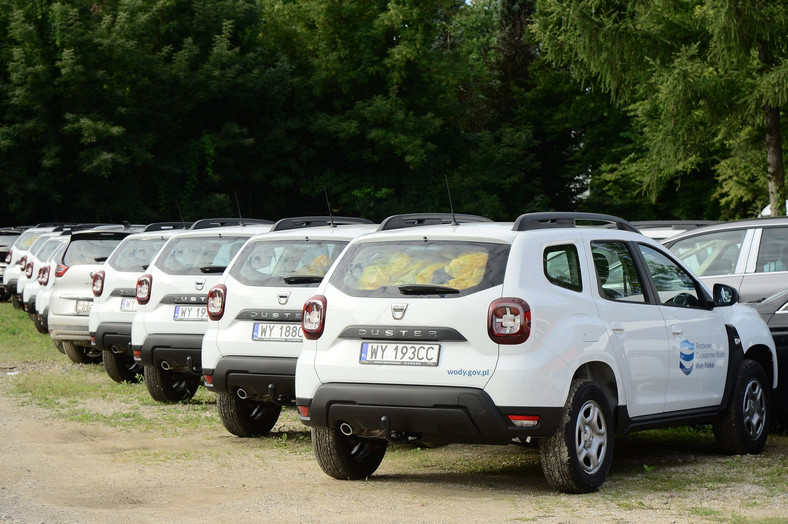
775, 170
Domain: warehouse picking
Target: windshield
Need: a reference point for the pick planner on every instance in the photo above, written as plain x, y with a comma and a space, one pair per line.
394, 269
185, 256
285, 262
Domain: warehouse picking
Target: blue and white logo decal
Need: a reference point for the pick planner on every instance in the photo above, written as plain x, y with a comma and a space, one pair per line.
686, 356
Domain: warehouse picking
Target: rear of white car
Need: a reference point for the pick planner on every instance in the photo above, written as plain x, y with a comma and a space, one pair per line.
71, 297
168, 327
254, 335
16, 259
114, 302
52, 249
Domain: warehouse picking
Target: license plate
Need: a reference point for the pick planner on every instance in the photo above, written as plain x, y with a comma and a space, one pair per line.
82, 307
400, 354
277, 331
128, 304
190, 313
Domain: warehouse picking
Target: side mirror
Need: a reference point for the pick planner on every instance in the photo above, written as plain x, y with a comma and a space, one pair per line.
725, 295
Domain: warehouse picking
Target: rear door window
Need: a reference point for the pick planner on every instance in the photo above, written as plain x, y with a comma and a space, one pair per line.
773, 253
419, 268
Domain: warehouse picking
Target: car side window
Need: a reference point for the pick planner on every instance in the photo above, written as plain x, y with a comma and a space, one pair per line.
773, 253
617, 276
562, 266
712, 253
675, 287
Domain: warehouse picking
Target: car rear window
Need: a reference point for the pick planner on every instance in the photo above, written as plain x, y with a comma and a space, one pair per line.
419, 268
285, 262
135, 254
89, 251
185, 256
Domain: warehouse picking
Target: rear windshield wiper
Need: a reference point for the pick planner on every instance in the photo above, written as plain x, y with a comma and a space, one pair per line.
101, 259
213, 269
303, 279
427, 289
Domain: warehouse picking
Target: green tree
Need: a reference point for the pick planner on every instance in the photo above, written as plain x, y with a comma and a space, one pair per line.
704, 79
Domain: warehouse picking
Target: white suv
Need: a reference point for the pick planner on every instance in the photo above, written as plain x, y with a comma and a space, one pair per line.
71, 297
51, 249
16, 259
551, 328
254, 337
114, 302
167, 330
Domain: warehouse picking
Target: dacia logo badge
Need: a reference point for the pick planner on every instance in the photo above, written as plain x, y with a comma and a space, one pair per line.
199, 284
398, 311
283, 297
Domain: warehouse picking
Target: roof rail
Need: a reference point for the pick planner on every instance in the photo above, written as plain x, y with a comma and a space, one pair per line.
313, 221
550, 219
427, 219
166, 226
206, 223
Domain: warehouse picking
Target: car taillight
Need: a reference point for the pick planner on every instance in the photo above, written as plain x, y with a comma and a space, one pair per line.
43, 276
29, 270
144, 285
217, 296
313, 318
60, 270
8, 256
509, 321
98, 283
22, 262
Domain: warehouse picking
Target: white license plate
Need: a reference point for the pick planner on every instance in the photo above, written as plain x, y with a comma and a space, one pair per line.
190, 313
128, 304
82, 307
277, 331
400, 353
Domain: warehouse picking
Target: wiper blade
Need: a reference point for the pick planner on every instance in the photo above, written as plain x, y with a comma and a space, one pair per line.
427, 289
101, 259
303, 279
213, 269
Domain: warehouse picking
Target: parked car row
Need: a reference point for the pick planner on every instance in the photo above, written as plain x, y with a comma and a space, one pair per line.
561, 329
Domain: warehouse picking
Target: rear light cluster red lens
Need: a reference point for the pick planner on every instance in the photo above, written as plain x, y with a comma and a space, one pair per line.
29, 270
43, 276
313, 319
217, 297
22, 262
98, 283
60, 270
509, 321
144, 285
8, 257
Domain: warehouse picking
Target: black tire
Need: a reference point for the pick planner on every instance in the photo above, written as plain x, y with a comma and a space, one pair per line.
40, 327
80, 354
16, 302
347, 457
170, 386
577, 458
245, 417
745, 425
59, 346
121, 367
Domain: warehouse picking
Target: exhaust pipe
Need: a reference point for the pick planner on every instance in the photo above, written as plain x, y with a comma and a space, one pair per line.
345, 429
165, 365
241, 393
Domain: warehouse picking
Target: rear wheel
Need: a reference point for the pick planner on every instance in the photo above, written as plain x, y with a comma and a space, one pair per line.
745, 426
81, 354
577, 458
16, 302
59, 346
170, 386
40, 327
347, 457
245, 417
121, 367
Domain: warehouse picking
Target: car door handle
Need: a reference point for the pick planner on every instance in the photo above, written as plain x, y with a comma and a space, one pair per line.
616, 327
676, 330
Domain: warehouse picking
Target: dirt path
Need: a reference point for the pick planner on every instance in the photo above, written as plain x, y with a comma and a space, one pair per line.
53, 471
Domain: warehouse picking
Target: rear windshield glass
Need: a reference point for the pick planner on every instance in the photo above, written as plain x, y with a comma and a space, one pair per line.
93, 251
439, 268
135, 254
7, 240
286, 262
46, 251
185, 256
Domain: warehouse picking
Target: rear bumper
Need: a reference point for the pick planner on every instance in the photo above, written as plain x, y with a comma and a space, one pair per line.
72, 328
262, 378
438, 414
115, 336
176, 352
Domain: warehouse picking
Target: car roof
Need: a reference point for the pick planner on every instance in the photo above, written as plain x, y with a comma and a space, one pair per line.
734, 224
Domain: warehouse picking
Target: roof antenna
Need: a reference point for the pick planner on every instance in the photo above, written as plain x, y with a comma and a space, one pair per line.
238, 206
451, 206
328, 203
179, 210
